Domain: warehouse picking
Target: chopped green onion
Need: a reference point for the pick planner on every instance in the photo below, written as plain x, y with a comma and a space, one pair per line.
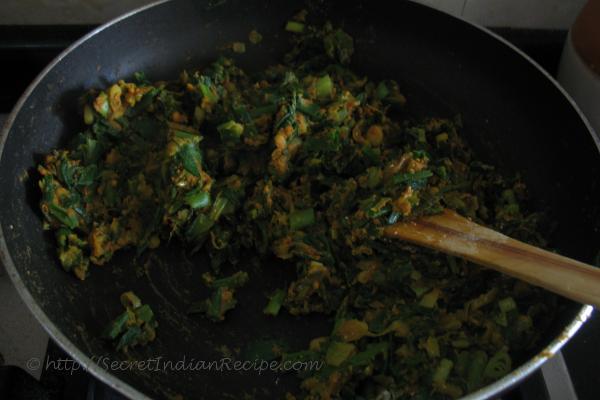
221, 202
498, 366
116, 327
430, 299
432, 347
507, 304
197, 198
442, 371
199, 227
302, 218
144, 313
129, 337
338, 352
191, 158
275, 303
92, 151
294, 26
441, 138
324, 86
185, 135
234, 281
230, 131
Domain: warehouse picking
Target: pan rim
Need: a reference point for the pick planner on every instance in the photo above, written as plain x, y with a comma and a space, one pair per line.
48, 325
128, 390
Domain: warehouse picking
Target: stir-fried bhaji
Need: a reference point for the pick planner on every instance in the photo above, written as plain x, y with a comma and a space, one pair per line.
306, 161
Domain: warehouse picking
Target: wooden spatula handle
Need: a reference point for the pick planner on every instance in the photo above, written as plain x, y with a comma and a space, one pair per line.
453, 234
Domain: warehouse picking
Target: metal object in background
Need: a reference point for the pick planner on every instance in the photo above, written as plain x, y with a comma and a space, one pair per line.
581, 82
557, 378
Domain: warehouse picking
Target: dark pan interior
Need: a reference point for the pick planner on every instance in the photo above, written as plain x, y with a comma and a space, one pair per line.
514, 117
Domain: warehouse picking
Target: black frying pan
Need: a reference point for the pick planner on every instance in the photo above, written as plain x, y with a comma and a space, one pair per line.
515, 116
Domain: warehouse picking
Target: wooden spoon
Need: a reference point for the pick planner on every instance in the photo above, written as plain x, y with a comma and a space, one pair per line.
453, 234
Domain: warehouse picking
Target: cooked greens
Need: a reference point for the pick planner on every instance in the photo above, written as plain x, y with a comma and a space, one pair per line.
135, 326
306, 161
222, 298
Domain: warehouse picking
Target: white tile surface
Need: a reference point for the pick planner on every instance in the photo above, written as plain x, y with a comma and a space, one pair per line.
454, 7
21, 336
545, 14
549, 14
64, 11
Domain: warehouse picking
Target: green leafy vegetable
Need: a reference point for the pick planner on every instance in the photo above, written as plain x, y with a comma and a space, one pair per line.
304, 162
275, 303
135, 326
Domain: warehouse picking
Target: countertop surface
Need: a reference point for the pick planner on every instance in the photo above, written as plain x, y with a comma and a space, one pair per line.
538, 14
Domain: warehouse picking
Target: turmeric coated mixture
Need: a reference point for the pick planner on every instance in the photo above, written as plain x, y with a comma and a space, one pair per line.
306, 161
